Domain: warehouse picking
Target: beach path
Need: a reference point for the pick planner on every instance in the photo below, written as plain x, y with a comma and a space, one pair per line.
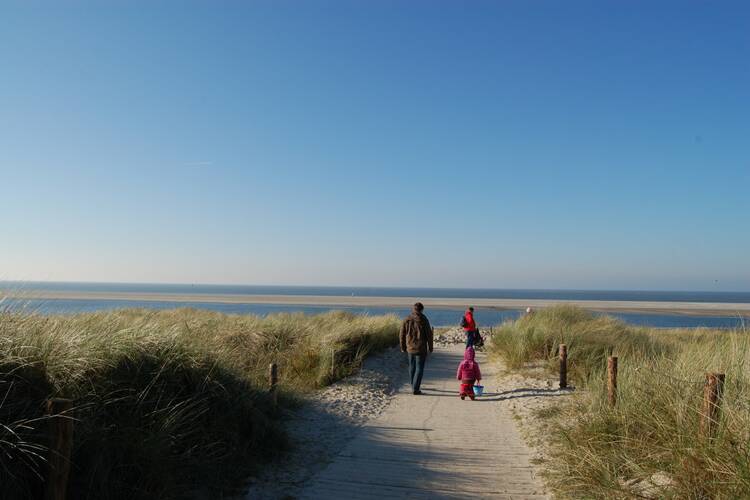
434, 446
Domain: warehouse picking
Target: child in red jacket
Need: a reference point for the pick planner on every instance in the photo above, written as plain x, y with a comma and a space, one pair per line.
468, 373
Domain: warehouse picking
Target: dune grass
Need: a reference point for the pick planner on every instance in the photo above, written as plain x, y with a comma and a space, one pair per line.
167, 403
649, 446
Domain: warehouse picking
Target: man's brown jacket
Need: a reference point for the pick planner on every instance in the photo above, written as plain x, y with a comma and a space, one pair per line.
416, 334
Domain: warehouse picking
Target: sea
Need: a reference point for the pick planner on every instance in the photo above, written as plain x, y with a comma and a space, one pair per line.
438, 316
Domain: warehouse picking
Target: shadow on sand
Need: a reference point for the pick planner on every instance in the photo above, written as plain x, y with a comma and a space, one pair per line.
391, 461
526, 392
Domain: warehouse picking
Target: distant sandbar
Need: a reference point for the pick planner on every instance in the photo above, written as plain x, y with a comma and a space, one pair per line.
692, 308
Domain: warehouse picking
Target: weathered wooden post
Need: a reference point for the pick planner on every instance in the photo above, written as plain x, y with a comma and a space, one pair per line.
60, 449
273, 379
612, 380
563, 366
712, 392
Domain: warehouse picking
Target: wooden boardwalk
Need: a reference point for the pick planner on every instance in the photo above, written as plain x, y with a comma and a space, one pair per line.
434, 446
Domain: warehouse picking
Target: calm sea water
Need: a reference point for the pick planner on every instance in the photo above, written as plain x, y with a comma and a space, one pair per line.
479, 293
439, 317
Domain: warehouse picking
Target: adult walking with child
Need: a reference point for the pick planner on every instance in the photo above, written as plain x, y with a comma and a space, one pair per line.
416, 340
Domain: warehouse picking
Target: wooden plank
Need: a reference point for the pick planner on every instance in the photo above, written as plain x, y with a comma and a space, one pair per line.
61, 448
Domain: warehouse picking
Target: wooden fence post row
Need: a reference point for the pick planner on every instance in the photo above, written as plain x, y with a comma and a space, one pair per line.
273, 379
61, 447
612, 380
563, 366
712, 393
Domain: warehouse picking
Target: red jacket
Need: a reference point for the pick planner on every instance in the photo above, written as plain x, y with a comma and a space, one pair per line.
468, 369
470, 324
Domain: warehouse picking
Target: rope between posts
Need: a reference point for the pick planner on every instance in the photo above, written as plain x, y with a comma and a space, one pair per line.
654, 371
676, 379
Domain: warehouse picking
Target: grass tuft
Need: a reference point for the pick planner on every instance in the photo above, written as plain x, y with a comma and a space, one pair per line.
166, 402
649, 445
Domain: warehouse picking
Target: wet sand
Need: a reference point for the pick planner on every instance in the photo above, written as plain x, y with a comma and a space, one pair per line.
692, 308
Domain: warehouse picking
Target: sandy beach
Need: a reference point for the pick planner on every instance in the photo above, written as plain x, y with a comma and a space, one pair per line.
690, 308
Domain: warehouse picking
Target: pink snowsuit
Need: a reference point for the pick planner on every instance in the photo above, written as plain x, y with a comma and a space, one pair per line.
468, 372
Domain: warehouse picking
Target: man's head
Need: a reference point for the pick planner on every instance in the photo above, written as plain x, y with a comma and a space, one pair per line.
471, 309
418, 307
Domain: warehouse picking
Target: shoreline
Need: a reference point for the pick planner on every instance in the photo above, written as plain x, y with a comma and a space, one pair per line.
685, 308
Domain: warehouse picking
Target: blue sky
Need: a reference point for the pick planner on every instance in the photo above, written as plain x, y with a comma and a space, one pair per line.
484, 144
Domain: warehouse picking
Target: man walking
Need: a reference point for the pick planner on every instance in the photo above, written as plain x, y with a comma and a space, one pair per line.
416, 341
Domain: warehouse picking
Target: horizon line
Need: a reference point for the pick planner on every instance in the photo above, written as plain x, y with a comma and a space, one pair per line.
404, 287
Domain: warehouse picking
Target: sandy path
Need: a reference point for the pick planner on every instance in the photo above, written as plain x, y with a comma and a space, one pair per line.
326, 422
434, 446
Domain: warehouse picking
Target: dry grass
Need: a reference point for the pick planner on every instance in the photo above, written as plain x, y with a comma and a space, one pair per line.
649, 445
165, 401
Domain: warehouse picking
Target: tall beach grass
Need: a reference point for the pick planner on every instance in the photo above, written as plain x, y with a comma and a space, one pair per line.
649, 445
167, 403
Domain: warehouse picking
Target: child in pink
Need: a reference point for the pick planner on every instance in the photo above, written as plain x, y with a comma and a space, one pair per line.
468, 373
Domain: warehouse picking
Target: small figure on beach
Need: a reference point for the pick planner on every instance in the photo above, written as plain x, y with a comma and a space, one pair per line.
416, 340
529, 311
470, 327
468, 373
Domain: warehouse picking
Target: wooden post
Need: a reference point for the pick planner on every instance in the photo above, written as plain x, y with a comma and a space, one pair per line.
612, 380
712, 392
273, 379
61, 448
563, 366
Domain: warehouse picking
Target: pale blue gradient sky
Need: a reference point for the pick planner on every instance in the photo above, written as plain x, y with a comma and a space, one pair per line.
483, 144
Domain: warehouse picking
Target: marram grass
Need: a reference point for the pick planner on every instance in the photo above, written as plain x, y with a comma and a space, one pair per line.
649, 445
167, 403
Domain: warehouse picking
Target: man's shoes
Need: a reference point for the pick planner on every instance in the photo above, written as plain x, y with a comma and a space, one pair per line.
463, 396
417, 392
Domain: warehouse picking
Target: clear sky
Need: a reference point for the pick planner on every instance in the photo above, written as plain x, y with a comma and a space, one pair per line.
533, 144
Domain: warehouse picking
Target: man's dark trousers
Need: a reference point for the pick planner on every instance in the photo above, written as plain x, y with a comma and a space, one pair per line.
470, 338
416, 370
